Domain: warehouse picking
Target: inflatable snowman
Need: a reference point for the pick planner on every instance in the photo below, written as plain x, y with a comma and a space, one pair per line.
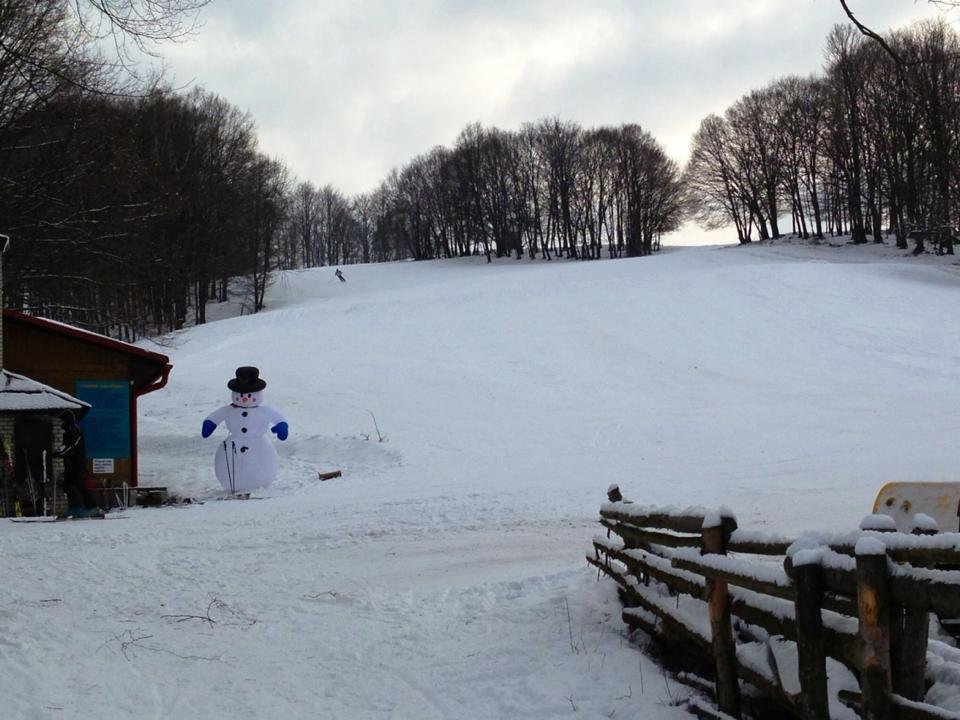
246, 459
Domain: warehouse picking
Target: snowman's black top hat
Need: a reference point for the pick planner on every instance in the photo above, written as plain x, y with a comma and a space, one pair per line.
247, 380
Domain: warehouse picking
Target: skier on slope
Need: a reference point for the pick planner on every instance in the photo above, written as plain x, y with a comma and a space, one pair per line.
80, 501
246, 459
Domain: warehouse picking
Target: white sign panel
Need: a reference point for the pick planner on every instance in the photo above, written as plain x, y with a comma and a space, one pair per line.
103, 466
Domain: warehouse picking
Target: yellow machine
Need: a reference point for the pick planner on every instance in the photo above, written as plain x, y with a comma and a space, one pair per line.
903, 500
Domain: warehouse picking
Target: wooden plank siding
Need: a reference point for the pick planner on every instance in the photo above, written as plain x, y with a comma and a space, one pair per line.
60, 356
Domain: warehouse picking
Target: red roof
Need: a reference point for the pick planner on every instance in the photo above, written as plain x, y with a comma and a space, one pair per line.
85, 335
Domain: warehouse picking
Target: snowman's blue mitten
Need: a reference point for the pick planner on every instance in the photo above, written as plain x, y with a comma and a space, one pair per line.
281, 430
208, 427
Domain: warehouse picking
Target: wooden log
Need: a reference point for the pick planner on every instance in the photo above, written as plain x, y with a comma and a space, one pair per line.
700, 684
677, 632
838, 580
839, 645
770, 689
639, 537
913, 554
609, 572
900, 708
721, 628
649, 518
655, 570
935, 592
925, 557
670, 626
926, 589
811, 643
618, 555
758, 547
909, 632
840, 604
625, 533
904, 709
873, 603
635, 622
702, 711
851, 699
744, 579
330, 475
839, 588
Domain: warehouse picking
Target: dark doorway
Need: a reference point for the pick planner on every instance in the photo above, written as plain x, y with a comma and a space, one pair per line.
33, 462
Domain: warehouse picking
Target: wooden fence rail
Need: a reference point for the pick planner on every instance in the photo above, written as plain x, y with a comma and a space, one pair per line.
814, 623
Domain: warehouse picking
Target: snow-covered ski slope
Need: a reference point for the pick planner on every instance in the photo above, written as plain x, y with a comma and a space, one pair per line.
442, 575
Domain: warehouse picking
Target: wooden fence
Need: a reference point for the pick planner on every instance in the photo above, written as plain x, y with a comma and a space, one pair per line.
816, 624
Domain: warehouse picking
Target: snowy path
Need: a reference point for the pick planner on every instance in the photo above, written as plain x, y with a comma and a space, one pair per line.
442, 576
309, 623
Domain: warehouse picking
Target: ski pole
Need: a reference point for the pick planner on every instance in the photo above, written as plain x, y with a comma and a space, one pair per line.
226, 465
45, 478
3, 470
31, 488
234, 443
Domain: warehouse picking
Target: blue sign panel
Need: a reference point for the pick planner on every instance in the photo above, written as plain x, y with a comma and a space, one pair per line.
106, 427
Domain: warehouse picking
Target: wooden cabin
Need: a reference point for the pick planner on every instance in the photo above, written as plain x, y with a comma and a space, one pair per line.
106, 374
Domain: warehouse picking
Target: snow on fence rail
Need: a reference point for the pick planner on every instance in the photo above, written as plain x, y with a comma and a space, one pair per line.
827, 625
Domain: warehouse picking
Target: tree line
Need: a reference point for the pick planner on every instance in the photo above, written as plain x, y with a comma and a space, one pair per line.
869, 147
551, 189
128, 215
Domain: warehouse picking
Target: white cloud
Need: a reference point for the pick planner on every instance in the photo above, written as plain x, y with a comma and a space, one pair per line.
344, 90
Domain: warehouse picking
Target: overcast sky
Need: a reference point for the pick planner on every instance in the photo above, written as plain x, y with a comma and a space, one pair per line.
344, 90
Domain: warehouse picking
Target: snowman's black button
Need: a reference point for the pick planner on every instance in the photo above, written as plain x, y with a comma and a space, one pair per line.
244, 413
243, 429
243, 449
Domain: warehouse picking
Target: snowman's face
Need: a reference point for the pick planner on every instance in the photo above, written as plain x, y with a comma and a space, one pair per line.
247, 399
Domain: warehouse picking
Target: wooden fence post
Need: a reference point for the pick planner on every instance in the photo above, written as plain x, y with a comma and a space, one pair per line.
873, 609
714, 541
909, 632
811, 649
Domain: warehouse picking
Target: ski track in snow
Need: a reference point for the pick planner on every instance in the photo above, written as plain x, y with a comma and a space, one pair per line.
442, 576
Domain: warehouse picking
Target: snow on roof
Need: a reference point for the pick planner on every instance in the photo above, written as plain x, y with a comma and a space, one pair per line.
19, 393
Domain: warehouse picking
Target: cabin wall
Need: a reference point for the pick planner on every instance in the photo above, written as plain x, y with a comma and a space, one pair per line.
89, 372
